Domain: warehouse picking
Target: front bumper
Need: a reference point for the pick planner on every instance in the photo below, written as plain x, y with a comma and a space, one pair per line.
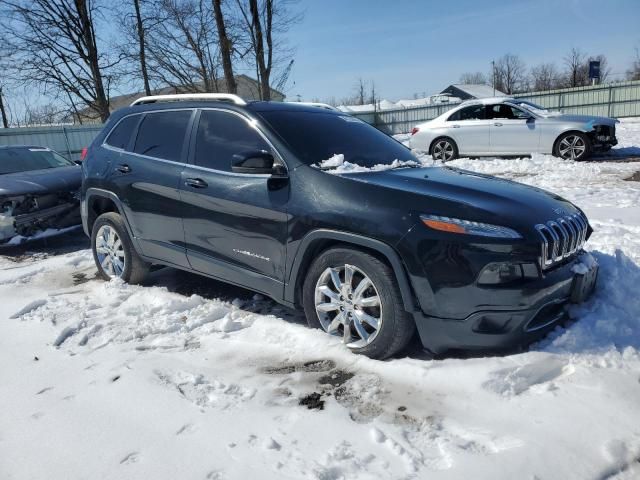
502, 329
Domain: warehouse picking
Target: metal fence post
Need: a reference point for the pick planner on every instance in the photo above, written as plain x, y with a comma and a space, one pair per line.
610, 100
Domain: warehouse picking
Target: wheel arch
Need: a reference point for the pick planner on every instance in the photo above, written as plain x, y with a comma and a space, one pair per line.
572, 129
318, 241
100, 201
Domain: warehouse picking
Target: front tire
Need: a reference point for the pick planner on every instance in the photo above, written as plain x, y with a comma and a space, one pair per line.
113, 251
355, 296
573, 146
444, 149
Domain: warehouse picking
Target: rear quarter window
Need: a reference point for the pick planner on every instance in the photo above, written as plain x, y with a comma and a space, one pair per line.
121, 134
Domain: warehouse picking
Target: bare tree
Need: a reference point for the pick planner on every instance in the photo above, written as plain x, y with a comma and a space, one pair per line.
182, 46
142, 47
361, 92
575, 73
634, 72
510, 74
373, 95
226, 47
4, 60
57, 48
3, 111
473, 78
544, 77
266, 22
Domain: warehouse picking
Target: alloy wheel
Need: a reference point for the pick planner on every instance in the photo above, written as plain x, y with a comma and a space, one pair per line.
348, 305
572, 147
110, 251
443, 150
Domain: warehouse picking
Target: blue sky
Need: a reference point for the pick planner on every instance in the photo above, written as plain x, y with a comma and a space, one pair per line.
418, 46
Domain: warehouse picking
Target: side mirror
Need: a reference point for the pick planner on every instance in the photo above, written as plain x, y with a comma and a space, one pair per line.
531, 119
256, 162
78, 162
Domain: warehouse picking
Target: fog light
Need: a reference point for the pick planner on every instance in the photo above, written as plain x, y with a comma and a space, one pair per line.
504, 273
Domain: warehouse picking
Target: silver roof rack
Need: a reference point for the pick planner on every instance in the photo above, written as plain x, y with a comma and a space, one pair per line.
229, 97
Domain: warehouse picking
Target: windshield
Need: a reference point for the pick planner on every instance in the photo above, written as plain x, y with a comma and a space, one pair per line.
530, 105
15, 160
320, 138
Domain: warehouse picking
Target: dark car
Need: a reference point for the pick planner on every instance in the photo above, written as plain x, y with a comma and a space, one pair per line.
245, 193
39, 189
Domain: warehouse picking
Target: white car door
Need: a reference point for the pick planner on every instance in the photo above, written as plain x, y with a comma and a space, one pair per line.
470, 130
513, 131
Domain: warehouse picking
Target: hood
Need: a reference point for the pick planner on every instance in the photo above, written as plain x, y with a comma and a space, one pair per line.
583, 119
471, 196
37, 182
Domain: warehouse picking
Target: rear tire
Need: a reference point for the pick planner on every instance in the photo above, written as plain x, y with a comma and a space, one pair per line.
444, 148
572, 146
113, 251
346, 289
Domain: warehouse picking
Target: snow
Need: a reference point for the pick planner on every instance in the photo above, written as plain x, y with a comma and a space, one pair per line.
337, 165
49, 232
188, 378
400, 104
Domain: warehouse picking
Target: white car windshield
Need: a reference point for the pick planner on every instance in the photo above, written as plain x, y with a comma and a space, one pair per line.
532, 107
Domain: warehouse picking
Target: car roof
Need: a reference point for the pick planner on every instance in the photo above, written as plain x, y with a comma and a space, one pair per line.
487, 101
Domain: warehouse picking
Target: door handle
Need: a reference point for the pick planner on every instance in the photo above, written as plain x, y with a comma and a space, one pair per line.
124, 168
456, 126
497, 124
196, 183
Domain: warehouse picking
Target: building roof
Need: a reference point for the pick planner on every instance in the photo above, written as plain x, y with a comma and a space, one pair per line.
248, 88
479, 90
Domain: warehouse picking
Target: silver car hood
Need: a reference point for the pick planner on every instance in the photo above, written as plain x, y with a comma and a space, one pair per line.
582, 119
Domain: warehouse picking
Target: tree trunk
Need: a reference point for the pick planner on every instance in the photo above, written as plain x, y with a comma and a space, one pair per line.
225, 48
265, 90
101, 105
143, 59
3, 112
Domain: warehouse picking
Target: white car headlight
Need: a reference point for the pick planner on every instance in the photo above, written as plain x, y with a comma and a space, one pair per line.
456, 225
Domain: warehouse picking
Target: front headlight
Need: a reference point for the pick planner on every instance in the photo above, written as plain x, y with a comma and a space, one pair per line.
456, 225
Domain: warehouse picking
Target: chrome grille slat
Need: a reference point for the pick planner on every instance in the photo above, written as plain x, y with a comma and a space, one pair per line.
562, 238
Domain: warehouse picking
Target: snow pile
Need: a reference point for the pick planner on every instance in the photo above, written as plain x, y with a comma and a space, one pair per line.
401, 104
189, 378
337, 165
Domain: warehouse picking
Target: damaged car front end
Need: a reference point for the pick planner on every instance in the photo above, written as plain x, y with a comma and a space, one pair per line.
38, 190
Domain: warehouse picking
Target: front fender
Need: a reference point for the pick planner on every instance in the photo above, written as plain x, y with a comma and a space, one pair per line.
302, 258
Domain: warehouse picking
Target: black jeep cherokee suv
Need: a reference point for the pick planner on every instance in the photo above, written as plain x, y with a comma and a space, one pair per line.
319, 210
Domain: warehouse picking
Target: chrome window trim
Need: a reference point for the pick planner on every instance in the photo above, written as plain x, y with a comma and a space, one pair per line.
198, 167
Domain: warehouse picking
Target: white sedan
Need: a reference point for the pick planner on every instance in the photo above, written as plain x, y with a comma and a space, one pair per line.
506, 127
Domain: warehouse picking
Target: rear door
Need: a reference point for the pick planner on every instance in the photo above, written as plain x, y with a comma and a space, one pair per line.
235, 224
146, 178
470, 130
513, 131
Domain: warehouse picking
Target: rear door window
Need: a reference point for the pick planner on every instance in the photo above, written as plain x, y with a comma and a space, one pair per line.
221, 135
474, 112
506, 112
162, 134
121, 134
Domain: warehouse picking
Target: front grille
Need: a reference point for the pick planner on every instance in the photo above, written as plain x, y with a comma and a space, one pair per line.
561, 238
